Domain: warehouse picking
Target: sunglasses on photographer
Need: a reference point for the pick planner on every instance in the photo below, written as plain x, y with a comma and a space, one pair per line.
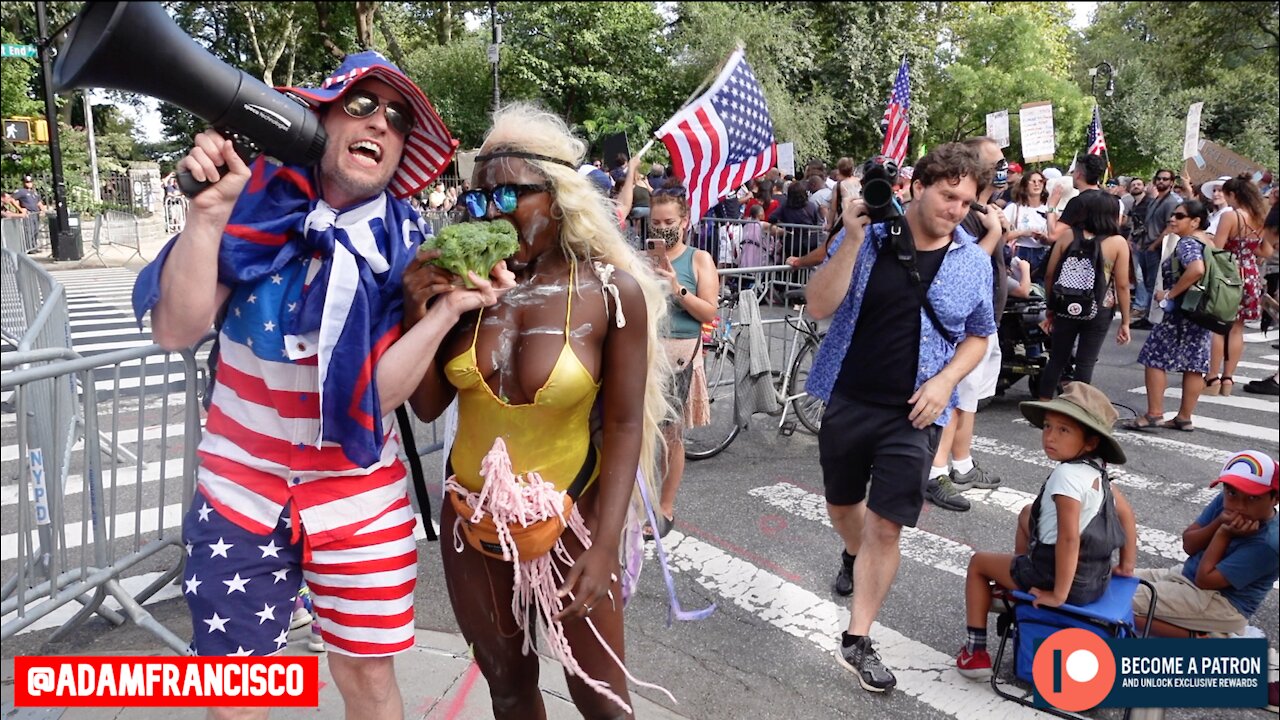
504, 197
362, 104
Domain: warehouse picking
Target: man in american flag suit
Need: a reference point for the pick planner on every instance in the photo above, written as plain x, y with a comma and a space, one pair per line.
299, 476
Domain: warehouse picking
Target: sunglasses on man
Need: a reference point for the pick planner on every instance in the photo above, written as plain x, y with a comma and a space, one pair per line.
362, 104
504, 197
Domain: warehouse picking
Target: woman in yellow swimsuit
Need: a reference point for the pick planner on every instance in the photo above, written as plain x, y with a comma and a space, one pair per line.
565, 371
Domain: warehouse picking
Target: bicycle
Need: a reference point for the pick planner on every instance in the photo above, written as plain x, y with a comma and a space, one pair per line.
710, 440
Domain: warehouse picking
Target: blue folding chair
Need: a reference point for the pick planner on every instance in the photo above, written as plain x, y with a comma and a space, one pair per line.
1110, 616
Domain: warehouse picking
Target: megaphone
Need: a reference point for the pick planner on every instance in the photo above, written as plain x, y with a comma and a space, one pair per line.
137, 47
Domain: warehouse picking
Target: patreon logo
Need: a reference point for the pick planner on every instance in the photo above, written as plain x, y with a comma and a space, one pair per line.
1074, 670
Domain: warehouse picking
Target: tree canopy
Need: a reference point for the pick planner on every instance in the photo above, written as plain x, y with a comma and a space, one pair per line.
826, 68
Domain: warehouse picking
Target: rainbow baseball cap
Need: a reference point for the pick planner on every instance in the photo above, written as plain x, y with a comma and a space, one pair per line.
1251, 472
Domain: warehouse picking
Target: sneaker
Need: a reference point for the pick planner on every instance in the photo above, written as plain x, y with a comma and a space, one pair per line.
1268, 386
299, 619
1141, 324
975, 478
975, 666
863, 660
942, 492
315, 641
843, 586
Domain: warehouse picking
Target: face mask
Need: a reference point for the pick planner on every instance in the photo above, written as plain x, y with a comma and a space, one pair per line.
670, 235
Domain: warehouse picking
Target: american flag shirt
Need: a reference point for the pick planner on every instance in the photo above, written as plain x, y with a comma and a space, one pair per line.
258, 451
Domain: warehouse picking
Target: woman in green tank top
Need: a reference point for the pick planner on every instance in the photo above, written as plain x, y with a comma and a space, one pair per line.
695, 291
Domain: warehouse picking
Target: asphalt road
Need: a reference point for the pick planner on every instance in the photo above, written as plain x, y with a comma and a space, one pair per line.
751, 537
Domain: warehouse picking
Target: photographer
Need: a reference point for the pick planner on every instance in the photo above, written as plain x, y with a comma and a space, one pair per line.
888, 368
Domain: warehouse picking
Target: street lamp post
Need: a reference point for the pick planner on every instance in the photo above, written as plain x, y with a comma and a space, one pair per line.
1103, 67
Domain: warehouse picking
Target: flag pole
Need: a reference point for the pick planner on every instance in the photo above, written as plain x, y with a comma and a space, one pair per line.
710, 78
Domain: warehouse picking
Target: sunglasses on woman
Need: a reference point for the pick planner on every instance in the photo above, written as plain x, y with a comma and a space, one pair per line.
362, 104
504, 197
1179, 216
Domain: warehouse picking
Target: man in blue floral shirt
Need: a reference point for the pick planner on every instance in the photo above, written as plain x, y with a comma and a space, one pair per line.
888, 370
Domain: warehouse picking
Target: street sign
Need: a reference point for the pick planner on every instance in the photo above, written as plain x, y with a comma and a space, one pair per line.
18, 51
17, 130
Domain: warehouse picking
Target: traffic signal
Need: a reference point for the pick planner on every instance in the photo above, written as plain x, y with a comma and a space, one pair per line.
17, 130
40, 130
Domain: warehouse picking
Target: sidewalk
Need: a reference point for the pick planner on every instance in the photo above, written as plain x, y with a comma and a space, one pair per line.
437, 678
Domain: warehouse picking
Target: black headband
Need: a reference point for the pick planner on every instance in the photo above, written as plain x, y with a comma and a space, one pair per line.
525, 156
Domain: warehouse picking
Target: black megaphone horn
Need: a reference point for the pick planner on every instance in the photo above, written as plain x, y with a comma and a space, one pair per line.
137, 47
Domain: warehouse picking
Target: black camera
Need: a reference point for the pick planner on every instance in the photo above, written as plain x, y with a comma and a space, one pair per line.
879, 175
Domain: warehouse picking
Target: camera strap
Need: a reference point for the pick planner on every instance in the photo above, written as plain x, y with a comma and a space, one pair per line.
906, 252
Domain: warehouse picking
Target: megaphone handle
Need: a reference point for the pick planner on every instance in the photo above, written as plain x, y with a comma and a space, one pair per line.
191, 187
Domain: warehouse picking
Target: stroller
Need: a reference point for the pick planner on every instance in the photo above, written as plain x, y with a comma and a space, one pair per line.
1024, 347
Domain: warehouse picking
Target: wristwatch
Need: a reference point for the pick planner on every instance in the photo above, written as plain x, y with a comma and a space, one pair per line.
684, 291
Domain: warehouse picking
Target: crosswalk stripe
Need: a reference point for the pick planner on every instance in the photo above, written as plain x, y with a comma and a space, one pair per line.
125, 477
923, 547
1183, 491
132, 585
1271, 357
1258, 337
1253, 432
924, 673
174, 432
1256, 366
1238, 401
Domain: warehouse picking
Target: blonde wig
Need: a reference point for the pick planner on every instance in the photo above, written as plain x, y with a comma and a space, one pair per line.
589, 232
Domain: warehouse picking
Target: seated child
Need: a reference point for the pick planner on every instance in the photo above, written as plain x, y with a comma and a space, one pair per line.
1233, 557
1068, 534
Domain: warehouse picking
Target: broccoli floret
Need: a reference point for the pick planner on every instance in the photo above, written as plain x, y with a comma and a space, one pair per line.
476, 246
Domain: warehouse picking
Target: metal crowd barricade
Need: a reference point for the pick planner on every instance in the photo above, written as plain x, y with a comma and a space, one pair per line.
82, 526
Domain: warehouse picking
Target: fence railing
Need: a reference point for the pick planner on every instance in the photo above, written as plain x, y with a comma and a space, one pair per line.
95, 489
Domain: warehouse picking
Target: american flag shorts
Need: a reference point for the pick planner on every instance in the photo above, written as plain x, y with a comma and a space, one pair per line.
240, 586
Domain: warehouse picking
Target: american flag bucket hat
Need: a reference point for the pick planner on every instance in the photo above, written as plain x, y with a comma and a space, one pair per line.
429, 147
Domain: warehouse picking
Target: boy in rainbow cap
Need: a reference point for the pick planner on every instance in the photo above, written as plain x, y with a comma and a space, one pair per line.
1233, 557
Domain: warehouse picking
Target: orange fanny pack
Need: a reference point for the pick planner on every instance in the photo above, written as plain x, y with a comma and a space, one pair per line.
532, 541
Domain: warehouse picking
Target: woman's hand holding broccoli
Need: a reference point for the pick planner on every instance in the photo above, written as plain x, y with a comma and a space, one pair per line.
453, 264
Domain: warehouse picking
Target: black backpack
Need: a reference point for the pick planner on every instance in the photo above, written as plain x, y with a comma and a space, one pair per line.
1078, 284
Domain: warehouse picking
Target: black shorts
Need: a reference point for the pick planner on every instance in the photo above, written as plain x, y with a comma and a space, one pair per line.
868, 447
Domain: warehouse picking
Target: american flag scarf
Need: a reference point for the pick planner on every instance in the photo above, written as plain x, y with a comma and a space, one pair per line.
353, 305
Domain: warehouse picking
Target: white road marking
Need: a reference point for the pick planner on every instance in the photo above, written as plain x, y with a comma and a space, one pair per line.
1243, 402
923, 673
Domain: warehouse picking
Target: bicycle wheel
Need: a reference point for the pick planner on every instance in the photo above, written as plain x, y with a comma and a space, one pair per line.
711, 439
808, 409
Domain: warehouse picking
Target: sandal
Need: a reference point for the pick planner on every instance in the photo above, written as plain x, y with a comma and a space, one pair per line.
1226, 389
1212, 386
664, 526
1177, 423
1143, 423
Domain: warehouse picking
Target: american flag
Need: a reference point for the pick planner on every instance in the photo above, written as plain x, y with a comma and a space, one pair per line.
1094, 141
896, 123
723, 139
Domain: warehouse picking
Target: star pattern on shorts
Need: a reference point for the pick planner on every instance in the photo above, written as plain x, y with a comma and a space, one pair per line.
220, 548
268, 612
217, 623
236, 584
270, 549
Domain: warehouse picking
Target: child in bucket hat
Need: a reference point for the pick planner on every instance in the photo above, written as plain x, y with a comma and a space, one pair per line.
1233, 552
1076, 507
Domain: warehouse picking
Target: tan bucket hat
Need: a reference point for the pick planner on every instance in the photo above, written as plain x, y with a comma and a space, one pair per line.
1088, 406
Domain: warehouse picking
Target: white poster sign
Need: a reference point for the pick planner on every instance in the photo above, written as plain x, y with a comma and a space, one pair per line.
998, 127
1191, 142
787, 158
1035, 121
